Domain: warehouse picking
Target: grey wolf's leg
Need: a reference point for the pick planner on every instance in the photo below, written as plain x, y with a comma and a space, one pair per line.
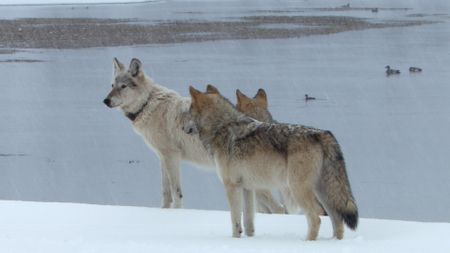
234, 195
249, 212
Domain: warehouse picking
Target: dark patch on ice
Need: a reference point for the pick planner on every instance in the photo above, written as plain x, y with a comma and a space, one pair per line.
7, 51
20, 61
13, 155
329, 9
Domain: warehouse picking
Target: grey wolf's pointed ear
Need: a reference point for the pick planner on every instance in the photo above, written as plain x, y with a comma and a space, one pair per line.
261, 98
195, 94
240, 96
135, 67
212, 89
118, 66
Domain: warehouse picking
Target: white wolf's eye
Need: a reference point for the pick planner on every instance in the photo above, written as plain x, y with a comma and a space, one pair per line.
112, 85
123, 86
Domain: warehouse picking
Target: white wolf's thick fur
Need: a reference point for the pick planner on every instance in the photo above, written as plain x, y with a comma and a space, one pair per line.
161, 127
158, 115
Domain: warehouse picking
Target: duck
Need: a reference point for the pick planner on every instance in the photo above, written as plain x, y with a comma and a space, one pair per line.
415, 69
309, 98
374, 10
390, 71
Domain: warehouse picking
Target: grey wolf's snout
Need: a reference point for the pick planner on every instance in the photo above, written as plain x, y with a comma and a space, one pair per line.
107, 102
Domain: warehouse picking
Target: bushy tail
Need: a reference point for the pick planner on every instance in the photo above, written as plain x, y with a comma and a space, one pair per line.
334, 185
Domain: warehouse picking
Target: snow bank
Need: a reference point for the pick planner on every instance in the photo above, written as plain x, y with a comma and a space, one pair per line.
56, 227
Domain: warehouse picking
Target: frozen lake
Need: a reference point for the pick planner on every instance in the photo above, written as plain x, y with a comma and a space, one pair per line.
60, 143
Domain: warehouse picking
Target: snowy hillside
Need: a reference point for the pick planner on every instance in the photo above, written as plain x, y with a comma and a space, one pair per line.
56, 227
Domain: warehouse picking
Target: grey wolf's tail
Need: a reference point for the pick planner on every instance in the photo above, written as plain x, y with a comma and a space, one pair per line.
334, 186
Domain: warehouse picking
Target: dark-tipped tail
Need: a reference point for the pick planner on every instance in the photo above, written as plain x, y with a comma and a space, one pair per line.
351, 219
335, 184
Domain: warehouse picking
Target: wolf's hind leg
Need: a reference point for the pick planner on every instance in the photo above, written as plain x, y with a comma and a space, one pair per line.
336, 219
249, 212
234, 195
261, 208
268, 203
172, 168
306, 198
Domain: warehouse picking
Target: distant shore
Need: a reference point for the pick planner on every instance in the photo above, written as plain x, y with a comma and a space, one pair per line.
84, 33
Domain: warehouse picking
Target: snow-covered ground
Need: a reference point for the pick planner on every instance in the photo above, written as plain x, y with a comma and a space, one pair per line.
54, 228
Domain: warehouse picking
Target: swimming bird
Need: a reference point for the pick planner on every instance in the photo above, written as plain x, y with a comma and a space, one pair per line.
390, 71
309, 98
374, 10
415, 69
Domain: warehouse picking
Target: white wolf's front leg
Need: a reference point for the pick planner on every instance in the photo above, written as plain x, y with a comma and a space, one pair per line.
234, 195
171, 166
249, 212
165, 189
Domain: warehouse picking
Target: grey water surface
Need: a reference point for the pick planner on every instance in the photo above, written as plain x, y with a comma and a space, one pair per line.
59, 142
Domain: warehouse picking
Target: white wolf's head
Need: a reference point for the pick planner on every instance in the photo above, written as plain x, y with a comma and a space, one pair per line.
129, 86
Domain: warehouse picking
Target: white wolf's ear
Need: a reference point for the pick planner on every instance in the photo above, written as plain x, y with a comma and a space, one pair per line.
135, 67
211, 89
118, 66
261, 98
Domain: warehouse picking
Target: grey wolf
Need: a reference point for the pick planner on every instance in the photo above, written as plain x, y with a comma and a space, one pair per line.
158, 114
252, 155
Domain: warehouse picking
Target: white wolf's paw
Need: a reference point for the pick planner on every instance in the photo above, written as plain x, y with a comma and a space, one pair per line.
250, 232
280, 210
177, 205
166, 204
237, 230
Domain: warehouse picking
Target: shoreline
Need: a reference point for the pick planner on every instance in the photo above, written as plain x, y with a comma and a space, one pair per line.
74, 33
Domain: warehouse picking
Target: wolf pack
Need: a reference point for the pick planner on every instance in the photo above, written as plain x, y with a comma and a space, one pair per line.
252, 154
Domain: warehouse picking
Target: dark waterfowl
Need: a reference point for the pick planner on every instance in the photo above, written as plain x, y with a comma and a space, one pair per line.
390, 71
309, 98
374, 10
415, 69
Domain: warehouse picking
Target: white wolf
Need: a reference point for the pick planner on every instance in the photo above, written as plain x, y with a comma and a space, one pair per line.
158, 114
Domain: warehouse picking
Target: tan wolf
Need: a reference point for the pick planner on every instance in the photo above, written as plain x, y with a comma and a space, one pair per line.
158, 114
252, 155
258, 108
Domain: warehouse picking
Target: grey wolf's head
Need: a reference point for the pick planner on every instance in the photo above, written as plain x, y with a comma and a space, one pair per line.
256, 107
128, 85
208, 111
